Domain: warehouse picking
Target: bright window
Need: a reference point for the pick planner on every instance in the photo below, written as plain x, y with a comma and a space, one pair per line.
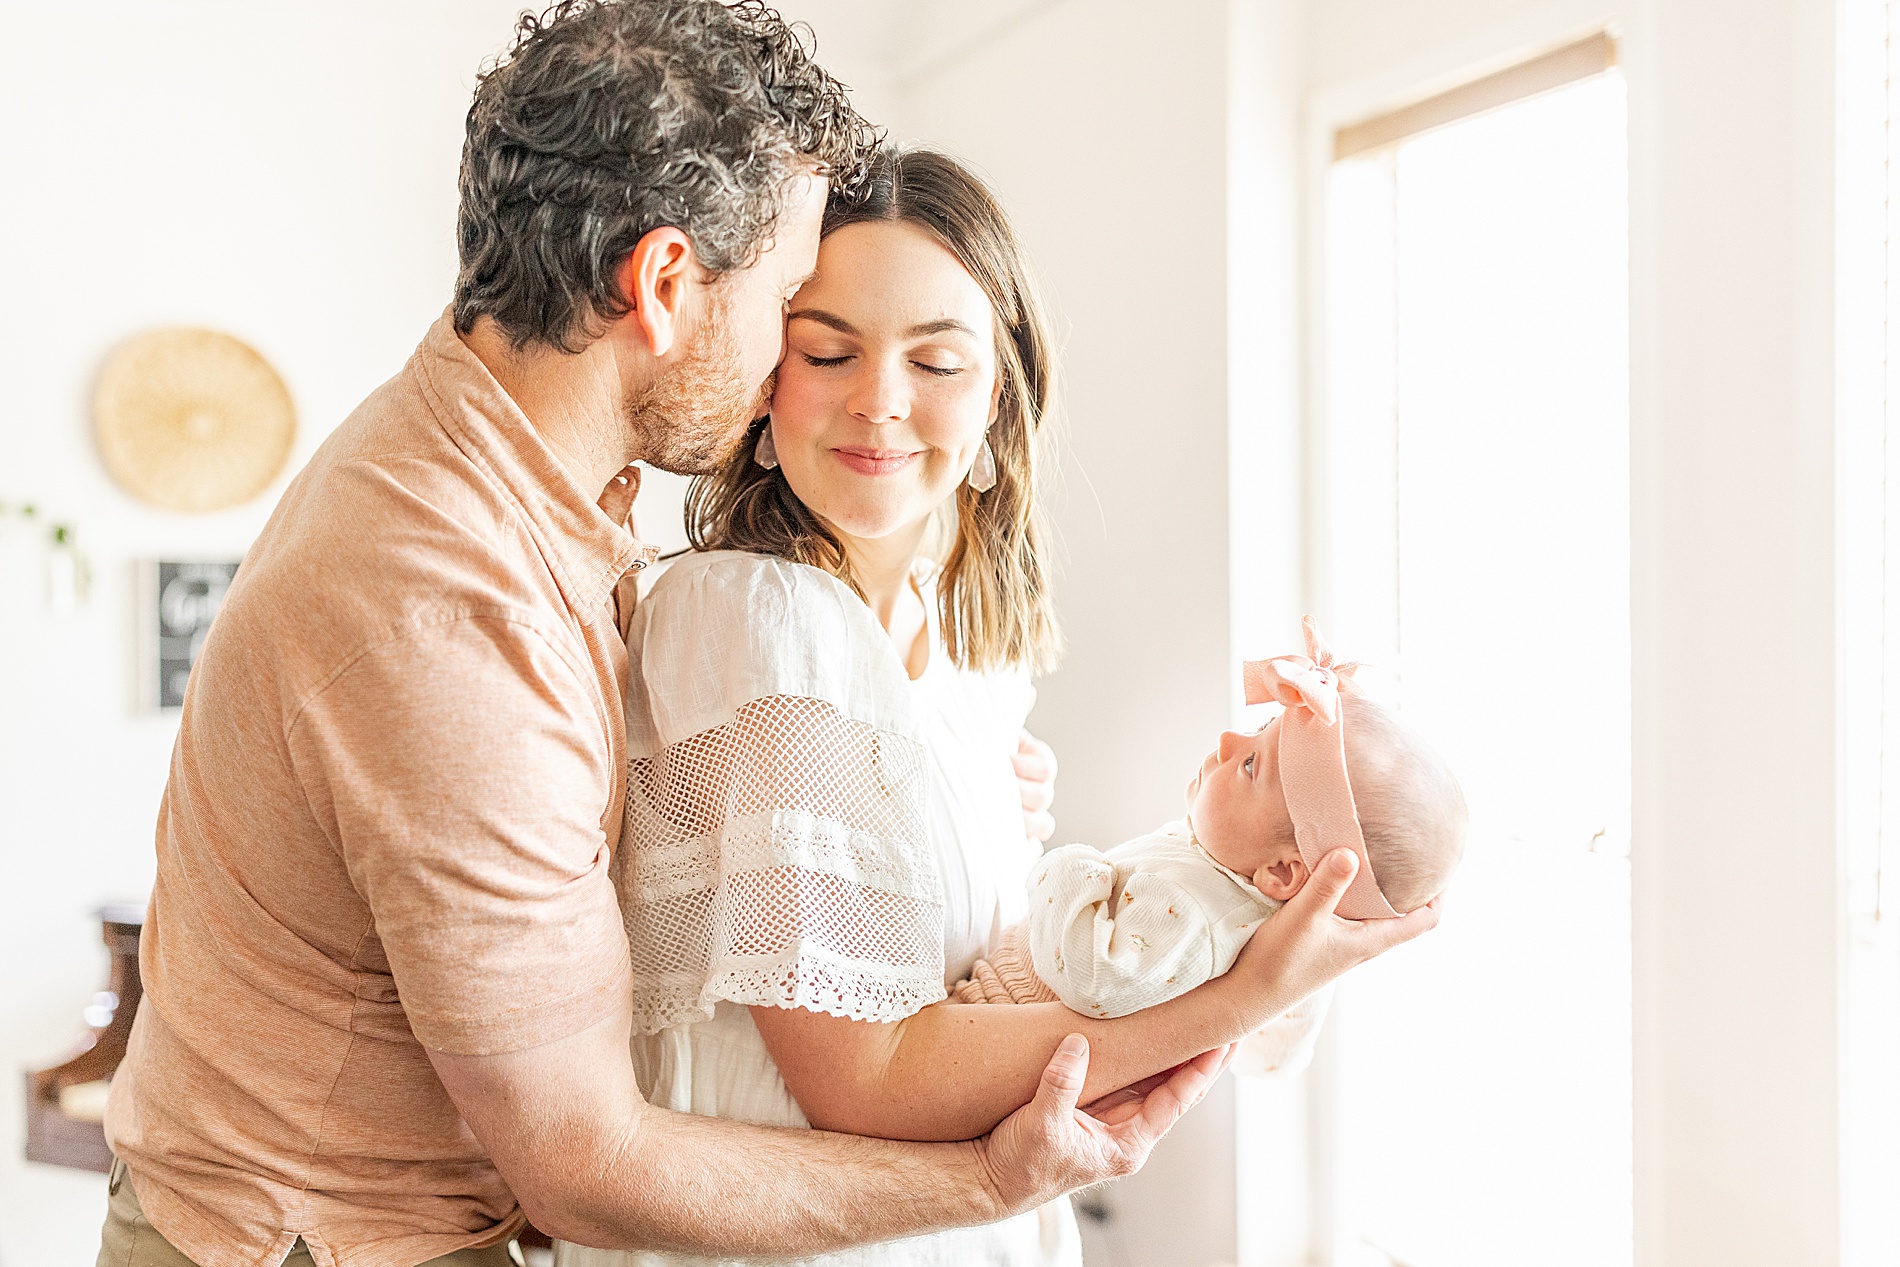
1474, 519
1869, 699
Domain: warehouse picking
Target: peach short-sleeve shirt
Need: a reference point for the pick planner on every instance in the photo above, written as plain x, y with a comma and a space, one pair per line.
386, 825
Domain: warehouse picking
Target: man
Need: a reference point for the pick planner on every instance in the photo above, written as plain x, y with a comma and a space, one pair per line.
386, 979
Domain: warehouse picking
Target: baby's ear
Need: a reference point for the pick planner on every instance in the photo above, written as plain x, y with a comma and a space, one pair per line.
1281, 880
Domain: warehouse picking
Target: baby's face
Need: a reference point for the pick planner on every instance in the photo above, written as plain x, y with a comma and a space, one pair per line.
1239, 813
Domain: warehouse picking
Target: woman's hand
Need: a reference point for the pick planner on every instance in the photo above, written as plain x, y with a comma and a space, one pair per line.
1035, 764
1306, 945
1051, 1146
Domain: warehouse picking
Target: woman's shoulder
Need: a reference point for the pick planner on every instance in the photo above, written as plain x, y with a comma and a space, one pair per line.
703, 577
721, 628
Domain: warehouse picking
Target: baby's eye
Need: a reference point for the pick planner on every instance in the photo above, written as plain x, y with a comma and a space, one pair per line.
1247, 765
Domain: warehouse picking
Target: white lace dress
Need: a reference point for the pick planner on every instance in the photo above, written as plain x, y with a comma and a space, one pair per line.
807, 827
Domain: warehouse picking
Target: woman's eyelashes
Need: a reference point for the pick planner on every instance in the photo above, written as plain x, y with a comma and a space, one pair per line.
832, 362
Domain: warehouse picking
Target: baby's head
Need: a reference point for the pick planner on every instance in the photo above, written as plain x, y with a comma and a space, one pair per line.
1411, 809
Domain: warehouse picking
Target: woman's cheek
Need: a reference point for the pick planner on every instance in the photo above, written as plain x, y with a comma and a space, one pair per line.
962, 412
798, 396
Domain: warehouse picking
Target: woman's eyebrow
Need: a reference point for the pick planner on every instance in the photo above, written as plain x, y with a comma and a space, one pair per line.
823, 318
940, 326
832, 320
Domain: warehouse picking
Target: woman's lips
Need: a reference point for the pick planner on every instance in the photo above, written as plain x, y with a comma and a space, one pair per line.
876, 461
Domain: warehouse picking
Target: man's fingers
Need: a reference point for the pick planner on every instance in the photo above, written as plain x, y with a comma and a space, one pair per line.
1036, 797
1034, 759
1031, 767
1063, 1076
1165, 1104
1039, 826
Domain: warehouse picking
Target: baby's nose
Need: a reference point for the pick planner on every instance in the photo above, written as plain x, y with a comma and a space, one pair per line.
1229, 741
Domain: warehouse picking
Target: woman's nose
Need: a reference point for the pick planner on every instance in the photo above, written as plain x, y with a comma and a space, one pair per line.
879, 394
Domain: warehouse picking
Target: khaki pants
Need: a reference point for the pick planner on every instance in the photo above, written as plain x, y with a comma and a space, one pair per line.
129, 1241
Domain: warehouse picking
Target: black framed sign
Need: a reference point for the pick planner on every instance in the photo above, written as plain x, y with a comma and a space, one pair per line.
178, 601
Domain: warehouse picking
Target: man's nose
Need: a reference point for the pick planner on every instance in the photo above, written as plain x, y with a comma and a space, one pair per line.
880, 394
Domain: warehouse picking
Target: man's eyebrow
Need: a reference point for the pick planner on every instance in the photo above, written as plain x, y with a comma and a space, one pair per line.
823, 318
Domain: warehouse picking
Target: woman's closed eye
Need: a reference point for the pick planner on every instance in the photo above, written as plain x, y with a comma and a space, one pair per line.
825, 362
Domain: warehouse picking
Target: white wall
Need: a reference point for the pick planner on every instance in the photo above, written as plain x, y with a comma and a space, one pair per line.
286, 173
1734, 431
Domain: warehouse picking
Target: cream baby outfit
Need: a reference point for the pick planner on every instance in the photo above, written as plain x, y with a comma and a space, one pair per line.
807, 827
1112, 933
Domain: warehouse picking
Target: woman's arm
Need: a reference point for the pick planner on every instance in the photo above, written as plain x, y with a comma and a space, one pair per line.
952, 1071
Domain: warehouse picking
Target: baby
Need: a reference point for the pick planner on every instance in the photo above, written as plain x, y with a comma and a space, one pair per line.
1112, 933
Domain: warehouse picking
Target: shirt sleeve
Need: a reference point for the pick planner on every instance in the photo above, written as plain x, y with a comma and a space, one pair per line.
1110, 940
775, 852
462, 772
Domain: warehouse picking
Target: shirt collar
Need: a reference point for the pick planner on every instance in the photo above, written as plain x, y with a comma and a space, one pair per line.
587, 536
1186, 829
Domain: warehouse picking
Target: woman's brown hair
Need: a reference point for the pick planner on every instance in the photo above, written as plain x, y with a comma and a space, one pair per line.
993, 594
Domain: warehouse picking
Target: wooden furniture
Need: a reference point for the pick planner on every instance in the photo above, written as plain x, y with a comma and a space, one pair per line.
65, 1104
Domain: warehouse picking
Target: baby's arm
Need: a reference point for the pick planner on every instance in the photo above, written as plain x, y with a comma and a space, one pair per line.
1112, 940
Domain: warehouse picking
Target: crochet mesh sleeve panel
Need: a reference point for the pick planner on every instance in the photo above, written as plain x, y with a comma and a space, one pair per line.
780, 859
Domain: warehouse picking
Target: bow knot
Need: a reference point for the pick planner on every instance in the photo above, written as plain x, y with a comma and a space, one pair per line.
1311, 681
1313, 774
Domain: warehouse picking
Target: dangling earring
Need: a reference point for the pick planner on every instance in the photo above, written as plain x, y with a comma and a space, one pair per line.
983, 471
766, 454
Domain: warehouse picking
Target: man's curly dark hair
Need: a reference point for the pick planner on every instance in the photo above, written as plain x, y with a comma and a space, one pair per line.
608, 119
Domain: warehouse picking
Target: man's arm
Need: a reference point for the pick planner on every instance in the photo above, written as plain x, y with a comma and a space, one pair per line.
591, 1162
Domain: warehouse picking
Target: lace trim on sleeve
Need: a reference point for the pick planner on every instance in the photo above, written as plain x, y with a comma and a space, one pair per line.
781, 860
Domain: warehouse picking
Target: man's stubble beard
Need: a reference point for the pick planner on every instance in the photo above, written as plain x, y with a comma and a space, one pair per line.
694, 417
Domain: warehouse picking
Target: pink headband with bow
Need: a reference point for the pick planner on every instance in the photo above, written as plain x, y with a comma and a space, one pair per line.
1313, 763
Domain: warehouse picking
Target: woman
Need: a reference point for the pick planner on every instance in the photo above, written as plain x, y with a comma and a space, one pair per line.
823, 826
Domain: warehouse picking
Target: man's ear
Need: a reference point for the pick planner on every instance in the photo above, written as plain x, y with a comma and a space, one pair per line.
1281, 880
655, 278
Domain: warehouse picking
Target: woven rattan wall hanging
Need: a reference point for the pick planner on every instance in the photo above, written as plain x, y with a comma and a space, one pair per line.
192, 420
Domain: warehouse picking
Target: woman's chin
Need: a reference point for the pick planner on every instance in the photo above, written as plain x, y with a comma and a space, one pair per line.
862, 523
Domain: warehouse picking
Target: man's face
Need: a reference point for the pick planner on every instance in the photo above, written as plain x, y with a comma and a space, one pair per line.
693, 415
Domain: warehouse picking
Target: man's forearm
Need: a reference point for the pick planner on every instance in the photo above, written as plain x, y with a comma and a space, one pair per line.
707, 1185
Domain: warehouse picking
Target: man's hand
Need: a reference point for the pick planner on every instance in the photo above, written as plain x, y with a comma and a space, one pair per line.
1050, 1146
1307, 945
1035, 764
